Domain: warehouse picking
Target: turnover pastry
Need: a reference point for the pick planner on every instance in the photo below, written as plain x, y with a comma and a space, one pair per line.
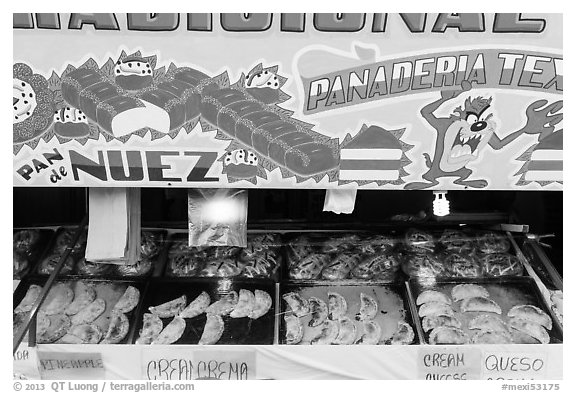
532, 329
404, 334
377, 267
371, 333
340, 267
532, 314
151, 328
463, 291
318, 311
435, 308
57, 328
480, 304
129, 300
117, 328
431, 322
29, 299
262, 304
491, 337
294, 329
82, 334
84, 295
337, 306
448, 335
224, 305
297, 304
491, 322
90, 313
328, 333
169, 309
346, 332
432, 296
197, 306
368, 308
245, 305
213, 330
59, 297
172, 332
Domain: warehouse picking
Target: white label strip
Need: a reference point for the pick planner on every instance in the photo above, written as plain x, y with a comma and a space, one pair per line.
547, 155
369, 175
544, 175
370, 154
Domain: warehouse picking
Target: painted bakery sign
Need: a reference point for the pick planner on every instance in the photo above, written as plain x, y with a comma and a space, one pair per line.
214, 113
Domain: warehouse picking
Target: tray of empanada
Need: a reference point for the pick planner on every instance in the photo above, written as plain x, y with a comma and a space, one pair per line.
27, 246
345, 314
207, 311
483, 311
89, 311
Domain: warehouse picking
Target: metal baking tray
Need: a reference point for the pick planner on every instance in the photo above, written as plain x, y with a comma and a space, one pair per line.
237, 331
507, 292
37, 249
118, 287
384, 293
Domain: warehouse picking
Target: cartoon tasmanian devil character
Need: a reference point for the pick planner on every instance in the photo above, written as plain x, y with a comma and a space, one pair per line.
463, 135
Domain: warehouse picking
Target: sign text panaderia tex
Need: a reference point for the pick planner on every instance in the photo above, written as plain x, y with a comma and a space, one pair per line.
319, 115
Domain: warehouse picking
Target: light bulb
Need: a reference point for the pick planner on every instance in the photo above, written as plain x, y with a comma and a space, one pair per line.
441, 205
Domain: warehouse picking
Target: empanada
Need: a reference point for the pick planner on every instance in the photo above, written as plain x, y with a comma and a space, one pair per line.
368, 308
480, 304
261, 305
117, 328
491, 337
432, 296
530, 328
84, 294
212, 330
404, 335
435, 308
371, 335
298, 305
172, 332
169, 309
294, 329
29, 299
337, 306
318, 311
90, 313
128, 301
225, 305
327, 334
82, 334
463, 291
346, 332
59, 297
448, 335
431, 322
59, 325
532, 314
152, 326
490, 322
245, 305
197, 306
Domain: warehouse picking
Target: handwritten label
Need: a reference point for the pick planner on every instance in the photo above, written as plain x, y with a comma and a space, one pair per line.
25, 362
70, 365
175, 364
525, 364
449, 363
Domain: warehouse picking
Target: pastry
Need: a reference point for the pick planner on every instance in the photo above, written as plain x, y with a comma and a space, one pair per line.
151, 327
480, 304
49, 263
371, 333
448, 335
532, 314
129, 300
57, 328
463, 291
140, 268
24, 240
340, 267
404, 335
337, 306
376, 244
435, 308
59, 297
456, 242
489, 322
419, 241
498, 265
318, 311
460, 265
245, 305
431, 322
70, 122
491, 337
82, 334
169, 309
64, 239
197, 306
368, 308
381, 267
432, 296
346, 332
261, 305
90, 313
491, 242
88, 268
213, 330
172, 332
117, 328
327, 334
185, 265
29, 299
294, 329
532, 329
150, 244
424, 265
19, 264
84, 295
133, 73
298, 305
225, 305
339, 243
310, 267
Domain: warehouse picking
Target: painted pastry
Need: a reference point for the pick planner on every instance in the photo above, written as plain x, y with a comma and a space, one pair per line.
169, 309
532, 329
346, 332
431, 322
368, 308
57, 328
318, 311
480, 304
241, 164
172, 332
117, 328
491, 337
432, 296
90, 313
245, 305
59, 297
327, 334
448, 335
197, 306
435, 308
298, 305
337, 306
463, 291
82, 334
84, 294
225, 305
404, 335
294, 329
71, 123
152, 326
532, 314
133, 73
489, 322
261, 305
213, 330
129, 300
372, 333
26, 304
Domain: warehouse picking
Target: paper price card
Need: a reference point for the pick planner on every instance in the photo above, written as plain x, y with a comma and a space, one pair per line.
449, 363
515, 364
175, 364
26, 362
70, 365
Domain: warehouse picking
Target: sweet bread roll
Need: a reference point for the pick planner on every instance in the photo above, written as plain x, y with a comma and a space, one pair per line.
71, 123
133, 73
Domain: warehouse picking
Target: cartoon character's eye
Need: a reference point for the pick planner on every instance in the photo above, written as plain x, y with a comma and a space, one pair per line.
471, 118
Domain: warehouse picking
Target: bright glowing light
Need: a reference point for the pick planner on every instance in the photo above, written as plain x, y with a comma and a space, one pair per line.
441, 204
222, 210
